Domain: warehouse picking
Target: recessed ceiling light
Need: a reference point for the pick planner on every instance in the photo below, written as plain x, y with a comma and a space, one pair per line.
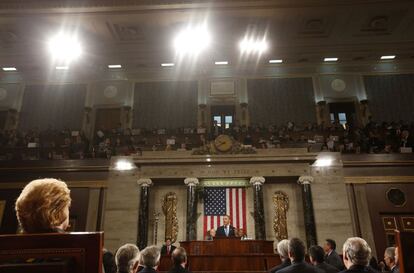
113, 66
9, 69
62, 67
250, 45
167, 64
124, 165
192, 40
330, 59
275, 61
221, 62
388, 57
65, 47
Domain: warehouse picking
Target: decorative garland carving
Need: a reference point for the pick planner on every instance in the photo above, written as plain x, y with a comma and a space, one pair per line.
281, 203
169, 208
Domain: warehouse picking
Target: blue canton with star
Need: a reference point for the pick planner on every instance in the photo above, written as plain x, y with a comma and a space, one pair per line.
215, 201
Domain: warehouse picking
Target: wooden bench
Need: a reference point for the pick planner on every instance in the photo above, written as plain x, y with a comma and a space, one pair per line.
52, 252
405, 243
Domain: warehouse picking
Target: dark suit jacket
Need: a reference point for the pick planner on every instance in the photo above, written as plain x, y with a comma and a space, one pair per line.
300, 267
360, 269
148, 270
284, 264
335, 260
396, 269
221, 233
178, 269
327, 268
164, 250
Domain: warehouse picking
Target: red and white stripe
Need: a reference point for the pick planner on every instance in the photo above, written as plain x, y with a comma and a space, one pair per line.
235, 207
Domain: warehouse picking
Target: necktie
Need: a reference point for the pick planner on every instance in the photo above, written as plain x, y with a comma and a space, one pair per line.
227, 231
168, 250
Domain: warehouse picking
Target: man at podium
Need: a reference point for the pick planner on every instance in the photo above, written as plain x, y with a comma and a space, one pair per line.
226, 230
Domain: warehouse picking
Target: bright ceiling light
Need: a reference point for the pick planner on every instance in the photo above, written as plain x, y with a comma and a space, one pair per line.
9, 69
221, 62
62, 67
388, 57
275, 61
64, 47
330, 59
124, 165
167, 64
114, 66
323, 162
250, 45
192, 40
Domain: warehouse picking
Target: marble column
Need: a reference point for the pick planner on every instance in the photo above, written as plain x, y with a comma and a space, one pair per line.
192, 200
259, 218
310, 226
143, 214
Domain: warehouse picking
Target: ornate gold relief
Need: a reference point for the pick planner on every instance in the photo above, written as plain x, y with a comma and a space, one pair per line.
281, 204
169, 208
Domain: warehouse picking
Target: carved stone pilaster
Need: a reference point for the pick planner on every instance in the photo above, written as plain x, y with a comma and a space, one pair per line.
309, 217
259, 219
143, 214
192, 200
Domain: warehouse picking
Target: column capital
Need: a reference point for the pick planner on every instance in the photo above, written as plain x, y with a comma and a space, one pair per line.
257, 180
144, 182
191, 181
306, 179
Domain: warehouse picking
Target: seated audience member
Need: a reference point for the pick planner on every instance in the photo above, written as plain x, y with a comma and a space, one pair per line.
296, 251
108, 261
127, 259
390, 260
317, 258
331, 256
179, 259
168, 248
283, 251
43, 206
211, 234
150, 259
356, 255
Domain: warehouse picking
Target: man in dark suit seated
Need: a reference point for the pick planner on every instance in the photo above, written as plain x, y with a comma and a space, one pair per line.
331, 256
357, 253
317, 258
297, 257
168, 248
127, 259
390, 261
150, 258
282, 249
179, 258
226, 230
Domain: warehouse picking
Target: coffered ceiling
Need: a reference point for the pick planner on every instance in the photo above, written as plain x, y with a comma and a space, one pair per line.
139, 33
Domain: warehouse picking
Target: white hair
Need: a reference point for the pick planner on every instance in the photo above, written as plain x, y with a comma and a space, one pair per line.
125, 257
357, 251
283, 248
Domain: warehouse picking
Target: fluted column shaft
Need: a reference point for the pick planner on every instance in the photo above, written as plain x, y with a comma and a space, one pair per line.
309, 216
192, 200
259, 218
143, 214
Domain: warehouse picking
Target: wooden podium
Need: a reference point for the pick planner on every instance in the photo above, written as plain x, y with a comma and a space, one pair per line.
229, 254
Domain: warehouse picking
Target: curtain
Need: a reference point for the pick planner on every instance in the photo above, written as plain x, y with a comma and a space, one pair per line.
277, 101
56, 106
390, 97
166, 105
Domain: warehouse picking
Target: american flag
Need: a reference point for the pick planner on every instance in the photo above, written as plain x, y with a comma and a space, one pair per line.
221, 201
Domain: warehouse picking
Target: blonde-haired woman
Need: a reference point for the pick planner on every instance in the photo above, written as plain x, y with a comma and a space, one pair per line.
43, 206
